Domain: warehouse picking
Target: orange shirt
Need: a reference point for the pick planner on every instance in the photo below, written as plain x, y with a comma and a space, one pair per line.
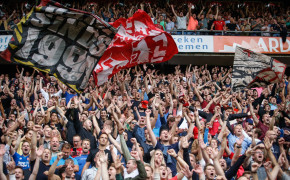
192, 24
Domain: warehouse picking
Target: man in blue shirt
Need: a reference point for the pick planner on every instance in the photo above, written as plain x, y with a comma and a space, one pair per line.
66, 155
22, 160
83, 157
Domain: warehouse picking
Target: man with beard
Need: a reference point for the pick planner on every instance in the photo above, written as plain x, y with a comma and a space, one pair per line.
83, 157
54, 146
45, 155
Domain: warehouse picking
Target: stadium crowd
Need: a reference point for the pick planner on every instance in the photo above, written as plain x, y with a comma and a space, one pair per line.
177, 16
144, 124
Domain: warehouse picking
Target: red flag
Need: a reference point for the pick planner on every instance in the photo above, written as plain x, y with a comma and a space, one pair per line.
137, 41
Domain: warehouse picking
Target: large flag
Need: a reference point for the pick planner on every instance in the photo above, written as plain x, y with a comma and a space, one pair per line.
137, 41
255, 70
61, 41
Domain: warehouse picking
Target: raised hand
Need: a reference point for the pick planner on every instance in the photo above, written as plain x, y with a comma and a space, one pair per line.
184, 143
118, 162
187, 172
148, 112
107, 130
214, 153
135, 155
255, 167
198, 169
172, 153
281, 141
133, 141
240, 140
2, 150
104, 157
39, 151
201, 144
20, 132
267, 143
268, 165
37, 128
60, 155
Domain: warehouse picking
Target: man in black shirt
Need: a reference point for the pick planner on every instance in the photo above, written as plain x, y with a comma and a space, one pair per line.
232, 26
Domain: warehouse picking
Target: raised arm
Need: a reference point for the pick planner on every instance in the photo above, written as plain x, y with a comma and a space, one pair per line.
112, 140
36, 165
148, 125
173, 11
52, 168
2, 152
256, 120
33, 154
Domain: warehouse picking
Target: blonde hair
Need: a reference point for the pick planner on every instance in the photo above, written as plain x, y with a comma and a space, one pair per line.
152, 161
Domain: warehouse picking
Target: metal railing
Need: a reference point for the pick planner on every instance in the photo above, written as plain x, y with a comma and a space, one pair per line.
2, 32
227, 33
208, 32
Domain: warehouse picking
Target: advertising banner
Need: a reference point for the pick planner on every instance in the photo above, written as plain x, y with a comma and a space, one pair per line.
186, 43
227, 44
265, 45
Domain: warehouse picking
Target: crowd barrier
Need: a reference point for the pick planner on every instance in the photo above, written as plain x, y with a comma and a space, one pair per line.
203, 41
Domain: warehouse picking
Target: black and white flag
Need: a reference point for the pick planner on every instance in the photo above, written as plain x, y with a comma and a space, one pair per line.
255, 70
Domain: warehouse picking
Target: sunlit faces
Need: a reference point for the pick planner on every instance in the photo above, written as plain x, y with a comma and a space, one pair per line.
77, 141
30, 124
25, 148
103, 140
19, 173
164, 135
47, 132
208, 150
46, 156
112, 173
29, 134
132, 124
163, 172
53, 117
258, 155
55, 133
149, 171
103, 114
88, 125
54, 144
266, 118
86, 145
213, 143
131, 166
142, 121
66, 152
158, 156
238, 130
223, 164
209, 172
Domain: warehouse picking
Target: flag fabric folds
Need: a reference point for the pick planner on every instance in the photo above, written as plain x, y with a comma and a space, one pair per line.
61, 41
255, 70
137, 41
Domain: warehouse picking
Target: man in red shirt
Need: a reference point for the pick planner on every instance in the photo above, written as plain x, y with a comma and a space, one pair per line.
219, 24
77, 146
